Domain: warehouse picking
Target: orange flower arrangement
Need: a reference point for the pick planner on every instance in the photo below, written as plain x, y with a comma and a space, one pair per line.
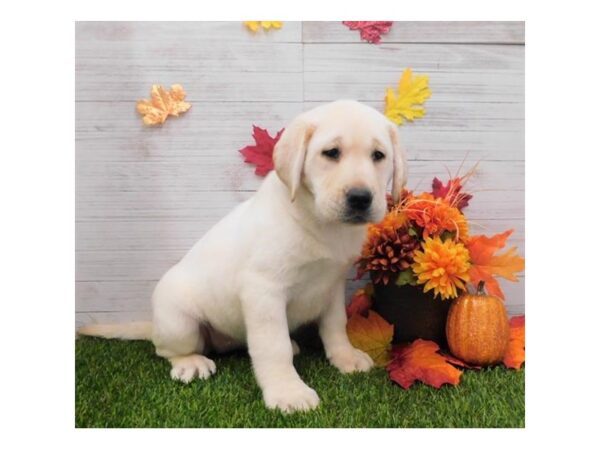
424, 241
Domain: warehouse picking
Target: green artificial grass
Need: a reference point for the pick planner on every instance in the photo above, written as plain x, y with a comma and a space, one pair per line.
124, 384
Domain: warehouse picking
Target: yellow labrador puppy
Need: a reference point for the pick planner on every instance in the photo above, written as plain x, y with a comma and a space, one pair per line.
279, 260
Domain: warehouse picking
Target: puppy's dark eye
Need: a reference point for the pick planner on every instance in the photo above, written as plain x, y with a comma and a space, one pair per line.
333, 154
377, 155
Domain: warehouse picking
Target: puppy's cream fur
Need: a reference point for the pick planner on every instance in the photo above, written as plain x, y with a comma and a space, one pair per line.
279, 260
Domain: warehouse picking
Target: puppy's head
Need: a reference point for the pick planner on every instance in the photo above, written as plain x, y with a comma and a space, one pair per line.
343, 155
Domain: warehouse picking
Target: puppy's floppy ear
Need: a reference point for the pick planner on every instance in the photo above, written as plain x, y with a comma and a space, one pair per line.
400, 167
290, 152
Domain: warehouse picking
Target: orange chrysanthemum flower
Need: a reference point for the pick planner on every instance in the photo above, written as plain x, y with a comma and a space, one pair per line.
388, 248
442, 266
435, 216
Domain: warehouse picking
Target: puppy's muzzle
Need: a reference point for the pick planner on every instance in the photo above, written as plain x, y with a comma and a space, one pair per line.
359, 199
358, 204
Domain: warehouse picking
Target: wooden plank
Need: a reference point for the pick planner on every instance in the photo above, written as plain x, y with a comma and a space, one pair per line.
133, 235
450, 87
210, 206
84, 318
443, 116
121, 137
165, 205
423, 144
422, 32
178, 33
140, 264
430, 58
231, 173
200, 86
111, 296
132, 295
125, 235
123, 301
121, 119
106, 58
124, 265
114, 132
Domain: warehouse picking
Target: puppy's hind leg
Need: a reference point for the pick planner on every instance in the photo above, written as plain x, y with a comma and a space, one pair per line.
178, 338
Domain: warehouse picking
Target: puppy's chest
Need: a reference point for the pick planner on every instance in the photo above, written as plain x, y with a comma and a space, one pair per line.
313, 290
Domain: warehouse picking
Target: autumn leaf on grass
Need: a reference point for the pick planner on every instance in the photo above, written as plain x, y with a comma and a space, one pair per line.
255, 25
485, 264
370, 31
261, 154
515, 355
420, 361
162, 104
412, 92
372, 335
360, 303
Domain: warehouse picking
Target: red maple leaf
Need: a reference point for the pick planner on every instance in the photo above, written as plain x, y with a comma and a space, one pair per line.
421, 361
370, 31
451, 192
360, 302
261, 154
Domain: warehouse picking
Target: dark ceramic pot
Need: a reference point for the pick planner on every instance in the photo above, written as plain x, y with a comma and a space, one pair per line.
413, 313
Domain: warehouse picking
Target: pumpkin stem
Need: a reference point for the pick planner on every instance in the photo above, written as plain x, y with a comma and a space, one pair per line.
480, 286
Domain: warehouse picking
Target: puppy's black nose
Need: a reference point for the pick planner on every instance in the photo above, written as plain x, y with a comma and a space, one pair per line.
359, 199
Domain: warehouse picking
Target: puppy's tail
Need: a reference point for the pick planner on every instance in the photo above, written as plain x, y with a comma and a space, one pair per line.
130, 331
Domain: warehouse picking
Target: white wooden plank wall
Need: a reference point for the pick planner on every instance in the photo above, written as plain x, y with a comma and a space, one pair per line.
145, 195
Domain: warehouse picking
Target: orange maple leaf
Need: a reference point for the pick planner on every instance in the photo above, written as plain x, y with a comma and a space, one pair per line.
485, 264
162, 103
515, 355
372, 335
421, 361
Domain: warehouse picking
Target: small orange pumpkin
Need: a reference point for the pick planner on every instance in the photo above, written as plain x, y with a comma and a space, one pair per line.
477, 328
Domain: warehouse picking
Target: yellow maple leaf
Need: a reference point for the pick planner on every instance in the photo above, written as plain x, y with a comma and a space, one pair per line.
254, 25
162, 103
372, 335
411, 93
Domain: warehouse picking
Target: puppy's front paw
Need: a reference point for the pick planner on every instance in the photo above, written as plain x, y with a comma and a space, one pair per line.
351, 360
186, 368
291, 397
